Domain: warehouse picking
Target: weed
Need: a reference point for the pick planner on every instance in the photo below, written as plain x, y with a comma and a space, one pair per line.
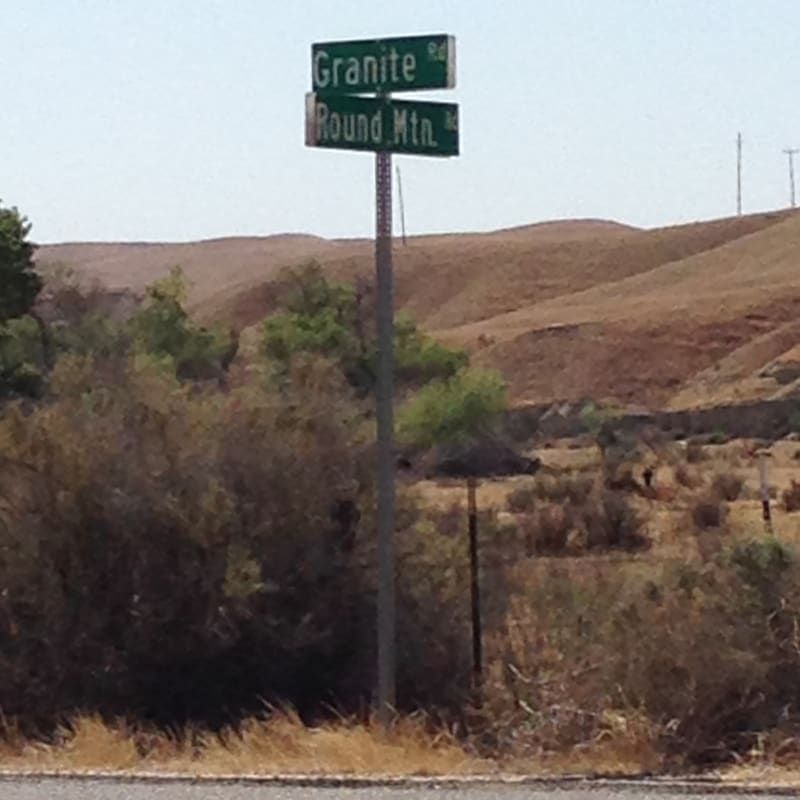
727, 485
709, 512
791, 497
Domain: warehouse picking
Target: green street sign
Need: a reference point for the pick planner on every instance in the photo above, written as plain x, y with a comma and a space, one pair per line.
381, 125
384, 65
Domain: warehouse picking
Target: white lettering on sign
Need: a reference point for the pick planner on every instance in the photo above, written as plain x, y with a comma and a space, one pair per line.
389, 70
411, 128
334, 127
428, 137
400, 126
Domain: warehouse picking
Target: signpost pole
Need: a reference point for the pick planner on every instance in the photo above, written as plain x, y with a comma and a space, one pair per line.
339, 117
385, 422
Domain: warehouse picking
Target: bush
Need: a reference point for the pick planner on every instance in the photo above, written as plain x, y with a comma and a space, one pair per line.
728, 486
683, 664
695, 452
22, 359
547, 531
709, 512
791, 497
163, 331
459, 409
175, 555
612, 523
561, 488
522, 499
687, 477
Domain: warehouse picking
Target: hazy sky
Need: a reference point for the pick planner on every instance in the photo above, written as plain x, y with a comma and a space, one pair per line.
183, 119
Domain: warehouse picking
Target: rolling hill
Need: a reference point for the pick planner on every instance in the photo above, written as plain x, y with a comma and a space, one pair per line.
683, 316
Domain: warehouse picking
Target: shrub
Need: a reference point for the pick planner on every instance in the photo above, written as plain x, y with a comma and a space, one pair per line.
522, 499
22, 358
686, 663
687, 477
709, 512
613, 523
695, 452
547, 531
459, 409
163, 331
620, 476
791, 497
177, 555
561, 488
728, 486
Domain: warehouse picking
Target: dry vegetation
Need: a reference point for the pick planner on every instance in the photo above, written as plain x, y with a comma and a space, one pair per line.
280, 744
181, 551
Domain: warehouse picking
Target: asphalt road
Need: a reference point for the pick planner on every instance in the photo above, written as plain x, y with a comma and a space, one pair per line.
52, 789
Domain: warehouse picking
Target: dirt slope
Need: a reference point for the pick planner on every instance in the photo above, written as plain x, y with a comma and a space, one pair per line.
686, 315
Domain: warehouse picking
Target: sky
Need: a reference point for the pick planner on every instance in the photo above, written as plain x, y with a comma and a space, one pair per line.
176, 120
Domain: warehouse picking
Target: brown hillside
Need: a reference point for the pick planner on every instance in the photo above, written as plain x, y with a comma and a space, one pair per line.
683, 315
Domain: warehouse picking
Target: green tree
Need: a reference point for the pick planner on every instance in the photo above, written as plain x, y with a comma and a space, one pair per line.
323, 318
336, 321
163, 330
454, 410
24, 342
19, 283
22, 368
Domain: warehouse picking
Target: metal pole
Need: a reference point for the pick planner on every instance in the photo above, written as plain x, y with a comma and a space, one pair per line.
475, 588
385, 421
402, 205
739, 175
762, 474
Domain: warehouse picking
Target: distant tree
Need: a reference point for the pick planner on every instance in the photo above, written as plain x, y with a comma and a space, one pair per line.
163, 330
19, 283
24, 340
336, 321
320, 317
456, 410
22, 365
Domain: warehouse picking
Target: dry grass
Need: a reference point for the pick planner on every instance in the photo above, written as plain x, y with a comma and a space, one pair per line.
281, 744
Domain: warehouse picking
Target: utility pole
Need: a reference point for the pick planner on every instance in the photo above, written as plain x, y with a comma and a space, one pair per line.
739, 175
791, 152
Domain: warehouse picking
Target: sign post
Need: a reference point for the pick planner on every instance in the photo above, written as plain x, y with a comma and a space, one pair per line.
338, 117
385, 421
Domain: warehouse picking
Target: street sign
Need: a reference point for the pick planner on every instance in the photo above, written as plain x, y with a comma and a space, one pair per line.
381, 125
337, 117
382, 66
